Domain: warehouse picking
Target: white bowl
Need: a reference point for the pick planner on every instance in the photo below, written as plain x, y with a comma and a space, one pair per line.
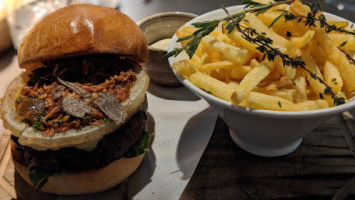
260, 132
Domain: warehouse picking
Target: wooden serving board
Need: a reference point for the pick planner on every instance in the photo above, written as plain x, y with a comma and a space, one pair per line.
12, 186
7, 180
323, 167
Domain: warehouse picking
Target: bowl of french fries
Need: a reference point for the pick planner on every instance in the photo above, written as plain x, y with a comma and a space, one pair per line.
273, 73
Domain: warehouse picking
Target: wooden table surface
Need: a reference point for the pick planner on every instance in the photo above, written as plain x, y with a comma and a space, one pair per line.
323, 167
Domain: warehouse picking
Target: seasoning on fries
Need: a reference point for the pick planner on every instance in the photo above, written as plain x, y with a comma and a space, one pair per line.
229, 65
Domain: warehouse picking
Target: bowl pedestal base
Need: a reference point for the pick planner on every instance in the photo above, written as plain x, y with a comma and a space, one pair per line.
265, 151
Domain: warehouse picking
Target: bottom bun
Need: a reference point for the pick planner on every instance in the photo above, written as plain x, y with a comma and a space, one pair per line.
86, 182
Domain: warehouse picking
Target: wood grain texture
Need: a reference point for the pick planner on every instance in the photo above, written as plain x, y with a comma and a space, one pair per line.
321, 167
7, 190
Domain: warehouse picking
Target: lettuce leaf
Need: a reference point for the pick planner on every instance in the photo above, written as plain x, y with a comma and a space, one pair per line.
39, 177
141, 147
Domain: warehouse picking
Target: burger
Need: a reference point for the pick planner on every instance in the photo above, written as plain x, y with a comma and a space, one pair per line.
77, 113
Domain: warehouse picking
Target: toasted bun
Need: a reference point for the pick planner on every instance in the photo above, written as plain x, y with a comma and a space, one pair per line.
82, 30
87, 181
34, 139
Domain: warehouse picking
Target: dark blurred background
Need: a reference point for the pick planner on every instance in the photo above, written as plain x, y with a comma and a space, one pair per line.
138, 9
21, 18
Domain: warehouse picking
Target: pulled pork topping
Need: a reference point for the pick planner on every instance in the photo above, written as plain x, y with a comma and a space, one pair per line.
70, 94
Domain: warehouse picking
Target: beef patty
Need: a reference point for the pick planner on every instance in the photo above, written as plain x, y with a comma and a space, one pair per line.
111, 147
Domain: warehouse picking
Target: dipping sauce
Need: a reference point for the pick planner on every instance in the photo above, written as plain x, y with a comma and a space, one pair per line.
161, 44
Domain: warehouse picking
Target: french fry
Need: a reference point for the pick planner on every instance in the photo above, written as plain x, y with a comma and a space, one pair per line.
338, 58
239, 72
254, 63
251, 80
196, 60
258, 100
300, 86
217, 74
300, 42
297, 8
205, 58
215, 33
274, 74
285, 70
226, 39
184, 68
234, 84
266, 82
332, 77
200, 60
270, 88
185, 31
232, 53
238, 38
212, 85
280, 26
317, 87
284, 82
279, 42
216, 65
287, 94
312, 66
315, 49
345, 42
341, 24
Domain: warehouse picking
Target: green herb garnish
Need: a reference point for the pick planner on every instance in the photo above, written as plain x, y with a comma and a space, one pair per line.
343, 44
288, 34
141, 147
38, 126
18, 100
39, 178
279, 103
206, 27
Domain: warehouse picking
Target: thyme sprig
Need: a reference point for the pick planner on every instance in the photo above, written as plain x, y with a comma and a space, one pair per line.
206, 27
351, 60
264, 46
310, 20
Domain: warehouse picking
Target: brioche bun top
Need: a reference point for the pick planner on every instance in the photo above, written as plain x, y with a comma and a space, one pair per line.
82, 30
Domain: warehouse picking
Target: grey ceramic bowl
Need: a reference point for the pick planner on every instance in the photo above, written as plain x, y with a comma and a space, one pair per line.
155, 28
